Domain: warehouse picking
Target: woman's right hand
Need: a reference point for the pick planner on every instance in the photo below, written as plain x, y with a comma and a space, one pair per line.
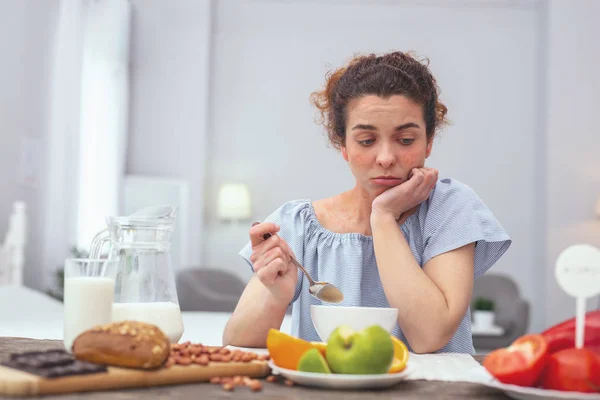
271, 259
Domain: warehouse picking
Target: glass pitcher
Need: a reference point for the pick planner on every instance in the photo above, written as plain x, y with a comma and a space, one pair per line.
145, 285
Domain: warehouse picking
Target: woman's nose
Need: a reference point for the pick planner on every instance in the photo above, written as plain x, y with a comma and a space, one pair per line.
385, 157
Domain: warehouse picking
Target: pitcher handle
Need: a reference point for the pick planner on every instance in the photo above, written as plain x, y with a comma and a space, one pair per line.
98, 243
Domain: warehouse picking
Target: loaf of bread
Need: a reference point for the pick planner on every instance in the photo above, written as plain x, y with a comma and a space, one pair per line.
130, 344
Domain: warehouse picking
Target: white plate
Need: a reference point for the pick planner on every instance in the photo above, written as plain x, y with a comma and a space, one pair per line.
527, 393
342, 381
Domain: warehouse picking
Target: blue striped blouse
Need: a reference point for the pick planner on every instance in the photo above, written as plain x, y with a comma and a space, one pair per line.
451, 217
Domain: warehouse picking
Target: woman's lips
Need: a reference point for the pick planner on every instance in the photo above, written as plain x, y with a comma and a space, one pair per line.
385, 181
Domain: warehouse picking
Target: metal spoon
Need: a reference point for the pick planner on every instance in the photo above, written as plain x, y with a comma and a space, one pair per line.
323, 291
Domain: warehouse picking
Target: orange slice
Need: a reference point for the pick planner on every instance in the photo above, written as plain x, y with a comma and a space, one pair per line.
400, 356
285, 350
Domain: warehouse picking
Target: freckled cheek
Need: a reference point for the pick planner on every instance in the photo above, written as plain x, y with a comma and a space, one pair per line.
359, 159
412, 160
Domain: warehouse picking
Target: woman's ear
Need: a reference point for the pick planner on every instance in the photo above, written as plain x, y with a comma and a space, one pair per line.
344, 153
428, 149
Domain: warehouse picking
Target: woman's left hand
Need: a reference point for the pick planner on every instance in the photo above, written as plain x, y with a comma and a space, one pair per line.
403, 200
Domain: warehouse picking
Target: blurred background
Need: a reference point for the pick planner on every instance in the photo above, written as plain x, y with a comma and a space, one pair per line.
108, 106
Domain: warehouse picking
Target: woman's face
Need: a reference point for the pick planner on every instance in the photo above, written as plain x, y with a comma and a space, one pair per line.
385, 140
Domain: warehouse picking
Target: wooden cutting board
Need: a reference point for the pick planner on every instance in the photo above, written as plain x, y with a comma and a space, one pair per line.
14, 382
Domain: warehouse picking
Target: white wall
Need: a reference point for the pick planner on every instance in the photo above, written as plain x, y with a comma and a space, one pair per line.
170, 48
26, 28
241, 91
573, 140
269, 56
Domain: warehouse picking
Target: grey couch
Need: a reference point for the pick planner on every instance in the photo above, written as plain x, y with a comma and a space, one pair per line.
206, 289
512, 311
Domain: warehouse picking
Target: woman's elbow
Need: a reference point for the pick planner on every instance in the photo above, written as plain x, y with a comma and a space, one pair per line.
425, 344
228, 337
425, 348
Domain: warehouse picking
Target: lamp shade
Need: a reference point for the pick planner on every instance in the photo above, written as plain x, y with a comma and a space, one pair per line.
234, 202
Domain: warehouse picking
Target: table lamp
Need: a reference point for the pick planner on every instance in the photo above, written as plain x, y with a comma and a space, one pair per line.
234, 202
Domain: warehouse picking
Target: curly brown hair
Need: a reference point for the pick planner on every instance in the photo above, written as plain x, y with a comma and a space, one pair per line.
394, 73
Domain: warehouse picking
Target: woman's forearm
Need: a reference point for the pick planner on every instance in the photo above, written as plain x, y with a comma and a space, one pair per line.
423, 313
256, 313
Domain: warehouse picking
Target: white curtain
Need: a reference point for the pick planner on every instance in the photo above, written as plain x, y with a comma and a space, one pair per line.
104, 115
87, 127
60, 179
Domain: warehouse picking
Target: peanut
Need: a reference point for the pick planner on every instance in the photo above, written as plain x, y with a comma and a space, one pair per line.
255, 385
184, 352
289, 383
183, 360
201, 360
215, 379
271, 378
229, 387
216, 357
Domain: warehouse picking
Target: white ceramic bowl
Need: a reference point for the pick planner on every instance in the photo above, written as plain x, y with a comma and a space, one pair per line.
326, 318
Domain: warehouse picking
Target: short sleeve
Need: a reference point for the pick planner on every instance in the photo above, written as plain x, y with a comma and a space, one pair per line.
290, 217
455, 216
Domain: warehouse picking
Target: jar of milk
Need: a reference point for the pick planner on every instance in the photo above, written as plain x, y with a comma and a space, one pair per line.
145, 285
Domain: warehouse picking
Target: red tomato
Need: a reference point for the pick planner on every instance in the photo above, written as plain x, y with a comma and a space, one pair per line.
521, 363
576, 370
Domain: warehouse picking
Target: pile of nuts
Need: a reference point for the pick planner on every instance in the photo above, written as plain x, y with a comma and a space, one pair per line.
230, 382
188, 353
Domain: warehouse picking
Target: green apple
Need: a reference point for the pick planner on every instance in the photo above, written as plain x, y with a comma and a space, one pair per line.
313, 361
369, 351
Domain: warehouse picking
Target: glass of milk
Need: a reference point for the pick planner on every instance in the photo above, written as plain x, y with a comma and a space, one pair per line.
88, 296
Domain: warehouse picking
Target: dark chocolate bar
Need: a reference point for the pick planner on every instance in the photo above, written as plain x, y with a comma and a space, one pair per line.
52, 364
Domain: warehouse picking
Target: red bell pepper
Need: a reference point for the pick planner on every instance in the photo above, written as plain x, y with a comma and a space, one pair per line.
562, 336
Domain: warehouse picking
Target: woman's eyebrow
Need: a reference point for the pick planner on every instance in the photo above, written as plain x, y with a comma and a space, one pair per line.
374, 128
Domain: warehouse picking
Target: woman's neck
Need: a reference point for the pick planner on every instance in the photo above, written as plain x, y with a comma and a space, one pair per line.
360, 201
348, 212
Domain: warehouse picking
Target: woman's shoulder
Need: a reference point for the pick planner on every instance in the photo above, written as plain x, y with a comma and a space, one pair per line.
447, 189
293, 207
456, 208
449, 194
292, 212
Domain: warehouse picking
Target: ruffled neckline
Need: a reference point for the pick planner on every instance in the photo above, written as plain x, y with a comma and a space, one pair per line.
314, 226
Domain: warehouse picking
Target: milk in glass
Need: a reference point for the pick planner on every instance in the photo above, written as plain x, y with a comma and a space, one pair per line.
88, 301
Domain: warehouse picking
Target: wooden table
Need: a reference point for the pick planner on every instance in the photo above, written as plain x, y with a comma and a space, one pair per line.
409, 390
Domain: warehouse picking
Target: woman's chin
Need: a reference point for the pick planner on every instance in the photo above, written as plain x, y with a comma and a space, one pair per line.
377, 190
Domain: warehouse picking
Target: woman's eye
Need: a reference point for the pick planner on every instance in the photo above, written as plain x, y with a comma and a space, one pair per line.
366, 142
406, 141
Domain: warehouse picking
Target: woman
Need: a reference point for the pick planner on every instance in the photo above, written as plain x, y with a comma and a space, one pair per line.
400, 238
